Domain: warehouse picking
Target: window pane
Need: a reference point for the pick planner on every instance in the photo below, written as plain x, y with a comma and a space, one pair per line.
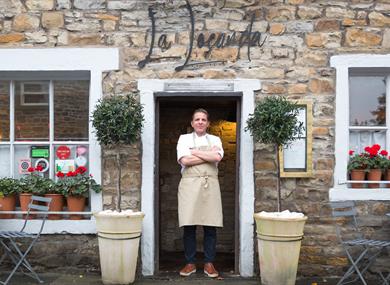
358, 140
69, 157
367, 101
4, 161
31, 114
4, 111
71, 110
31, 155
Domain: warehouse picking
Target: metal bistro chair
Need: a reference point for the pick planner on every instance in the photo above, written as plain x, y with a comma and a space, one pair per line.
8, 239
361, 252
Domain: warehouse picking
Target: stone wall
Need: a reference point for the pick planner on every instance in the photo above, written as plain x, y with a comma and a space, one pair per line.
298, 38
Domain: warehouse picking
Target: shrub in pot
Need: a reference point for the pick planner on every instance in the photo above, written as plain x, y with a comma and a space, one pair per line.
275, 122
118, 121
8, 190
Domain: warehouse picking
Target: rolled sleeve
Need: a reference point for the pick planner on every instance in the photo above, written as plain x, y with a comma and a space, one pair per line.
218, 143
182, 148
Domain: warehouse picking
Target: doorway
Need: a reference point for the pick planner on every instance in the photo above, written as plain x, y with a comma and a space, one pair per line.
173, 116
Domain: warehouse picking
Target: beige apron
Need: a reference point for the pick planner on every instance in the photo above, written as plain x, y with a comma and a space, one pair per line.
199, 195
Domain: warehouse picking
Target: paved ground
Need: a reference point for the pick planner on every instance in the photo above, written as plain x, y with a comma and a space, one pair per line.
94, 279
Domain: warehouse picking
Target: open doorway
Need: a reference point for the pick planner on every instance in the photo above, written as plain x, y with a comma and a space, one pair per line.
173, 116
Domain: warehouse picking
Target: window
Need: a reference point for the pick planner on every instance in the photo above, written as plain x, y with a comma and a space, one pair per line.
362, 93
38, 89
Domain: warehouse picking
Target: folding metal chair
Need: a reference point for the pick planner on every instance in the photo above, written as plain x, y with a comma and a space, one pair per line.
361, 252
8, 239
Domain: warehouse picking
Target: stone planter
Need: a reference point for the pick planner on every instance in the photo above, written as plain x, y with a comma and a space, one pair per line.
279, 243
359, 175
119, 235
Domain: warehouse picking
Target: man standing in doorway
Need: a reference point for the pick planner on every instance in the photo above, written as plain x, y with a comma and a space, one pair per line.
199, 194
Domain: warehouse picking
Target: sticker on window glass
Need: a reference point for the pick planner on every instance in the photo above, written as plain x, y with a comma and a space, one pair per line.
81, 161
24, 164
65, 165
63, 152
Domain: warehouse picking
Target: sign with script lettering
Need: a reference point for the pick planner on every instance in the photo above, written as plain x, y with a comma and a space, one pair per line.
248, 38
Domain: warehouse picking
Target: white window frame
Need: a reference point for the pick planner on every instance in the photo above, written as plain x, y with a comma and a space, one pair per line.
24, 94
342, 63
93, 60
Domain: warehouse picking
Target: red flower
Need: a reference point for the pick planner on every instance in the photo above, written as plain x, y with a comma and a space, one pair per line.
81, 169
377, 147
367, 149
351, 152
31, 169
39, 168
60, 174
71, 173
384, 152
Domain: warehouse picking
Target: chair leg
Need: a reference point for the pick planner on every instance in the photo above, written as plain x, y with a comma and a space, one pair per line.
21, 260
353, 267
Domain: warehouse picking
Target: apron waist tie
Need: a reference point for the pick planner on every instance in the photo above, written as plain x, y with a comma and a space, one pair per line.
206, 177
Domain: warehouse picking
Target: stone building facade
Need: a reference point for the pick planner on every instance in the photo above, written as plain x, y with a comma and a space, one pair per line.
287, 45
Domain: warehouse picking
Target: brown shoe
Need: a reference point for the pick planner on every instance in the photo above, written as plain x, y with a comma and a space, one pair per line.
210, 270
188, 269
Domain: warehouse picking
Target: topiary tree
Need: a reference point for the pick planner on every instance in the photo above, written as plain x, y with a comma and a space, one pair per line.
118, 120
275, 121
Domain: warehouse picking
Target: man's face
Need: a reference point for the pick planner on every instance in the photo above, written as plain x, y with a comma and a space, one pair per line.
200, 123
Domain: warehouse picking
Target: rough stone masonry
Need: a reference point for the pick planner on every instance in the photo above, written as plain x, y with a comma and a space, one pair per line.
298, 38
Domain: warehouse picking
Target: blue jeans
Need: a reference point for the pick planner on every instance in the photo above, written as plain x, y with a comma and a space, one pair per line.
209, 243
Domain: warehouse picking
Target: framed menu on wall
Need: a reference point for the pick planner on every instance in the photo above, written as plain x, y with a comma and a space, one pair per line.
296, 158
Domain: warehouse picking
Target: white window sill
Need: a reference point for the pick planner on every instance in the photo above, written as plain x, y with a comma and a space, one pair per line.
345, 194
51, 226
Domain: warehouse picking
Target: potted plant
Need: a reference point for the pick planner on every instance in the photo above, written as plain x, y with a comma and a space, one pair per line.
33, 183
8, 189
376, 162
357, 166
118, 121
75, 186
275, 121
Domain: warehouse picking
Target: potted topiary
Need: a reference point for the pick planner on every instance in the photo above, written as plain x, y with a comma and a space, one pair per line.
279, 234
8, 190
118, 121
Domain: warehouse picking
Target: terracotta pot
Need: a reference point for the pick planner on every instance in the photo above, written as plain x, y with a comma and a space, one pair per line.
24, 199
357, 174
374, 175
387, 177
7, 204
57, 205
75, 204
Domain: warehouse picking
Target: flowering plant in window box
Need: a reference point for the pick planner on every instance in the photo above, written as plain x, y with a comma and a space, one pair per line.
373, 160
76, 183
75, 186
34, 183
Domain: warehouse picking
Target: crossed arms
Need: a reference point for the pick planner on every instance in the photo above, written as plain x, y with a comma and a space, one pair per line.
201, 156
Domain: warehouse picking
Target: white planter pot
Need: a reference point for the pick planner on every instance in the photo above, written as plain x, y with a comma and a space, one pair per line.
279, 243
119, 236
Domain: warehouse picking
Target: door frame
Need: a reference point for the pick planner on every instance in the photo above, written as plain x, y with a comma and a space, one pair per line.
235, 97
149, 88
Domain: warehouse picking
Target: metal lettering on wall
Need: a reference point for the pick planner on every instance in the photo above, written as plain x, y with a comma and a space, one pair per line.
245, 38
